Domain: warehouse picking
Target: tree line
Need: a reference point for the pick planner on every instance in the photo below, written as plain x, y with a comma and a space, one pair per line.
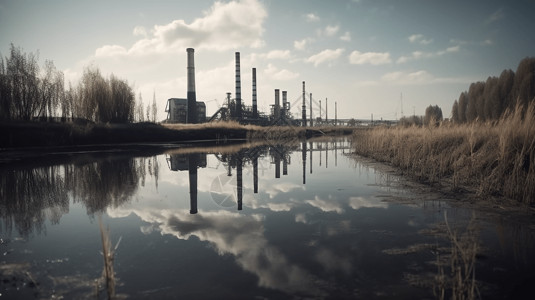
487, 101
28, 92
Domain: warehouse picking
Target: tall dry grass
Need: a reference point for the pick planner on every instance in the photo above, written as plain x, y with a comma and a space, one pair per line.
493, 158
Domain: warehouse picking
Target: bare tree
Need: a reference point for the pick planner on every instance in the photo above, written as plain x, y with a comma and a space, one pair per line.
122, 101
5, 92
139, 109
154, 108
22, 71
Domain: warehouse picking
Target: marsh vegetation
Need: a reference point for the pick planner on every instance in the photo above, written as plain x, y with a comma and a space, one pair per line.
489, 158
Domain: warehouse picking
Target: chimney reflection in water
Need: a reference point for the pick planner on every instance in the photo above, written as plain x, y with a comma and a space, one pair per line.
239, 180
255, 174
304, 157
192, 162
192, 170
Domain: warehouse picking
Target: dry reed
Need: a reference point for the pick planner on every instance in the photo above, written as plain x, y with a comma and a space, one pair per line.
109, 254
493, 158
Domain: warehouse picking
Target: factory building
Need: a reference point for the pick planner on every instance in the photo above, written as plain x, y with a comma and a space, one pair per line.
177, 111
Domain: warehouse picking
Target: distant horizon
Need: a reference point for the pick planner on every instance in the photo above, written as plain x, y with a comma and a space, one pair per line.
368, 56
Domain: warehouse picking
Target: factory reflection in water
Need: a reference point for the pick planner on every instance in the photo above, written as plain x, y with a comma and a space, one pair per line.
279, 154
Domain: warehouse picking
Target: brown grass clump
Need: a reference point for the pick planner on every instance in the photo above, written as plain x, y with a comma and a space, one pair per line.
491, 158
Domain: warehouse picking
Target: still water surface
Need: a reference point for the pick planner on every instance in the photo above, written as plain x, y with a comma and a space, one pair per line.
291, 221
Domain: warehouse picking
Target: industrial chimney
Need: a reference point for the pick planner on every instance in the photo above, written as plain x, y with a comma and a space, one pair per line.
238, 88
192, 98
277, 107
284, 105
326, 112
255, 107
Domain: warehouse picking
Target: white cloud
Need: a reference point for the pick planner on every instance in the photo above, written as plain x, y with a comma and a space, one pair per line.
224, 26
420, 77
496, 16
417, 77
374, 58
278, 54
301, 44
140, 31
359, 202
240, 237
421, 55
346, 36
326, 205
331, 30
419, 38
453, 49
110, 50
325, 56
312, 17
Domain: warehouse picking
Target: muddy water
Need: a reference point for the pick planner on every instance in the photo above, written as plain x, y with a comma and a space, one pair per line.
273, 221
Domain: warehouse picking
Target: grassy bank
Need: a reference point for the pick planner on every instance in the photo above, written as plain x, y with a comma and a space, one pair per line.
489, 158
54, 134
39, 134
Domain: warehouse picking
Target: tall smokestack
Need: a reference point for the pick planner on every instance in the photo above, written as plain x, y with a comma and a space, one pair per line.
238, 87
326, 112
192, 98
255, 108
320, 110
277, 104
304, 107
284, 100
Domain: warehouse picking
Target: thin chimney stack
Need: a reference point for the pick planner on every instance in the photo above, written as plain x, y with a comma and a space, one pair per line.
192, 98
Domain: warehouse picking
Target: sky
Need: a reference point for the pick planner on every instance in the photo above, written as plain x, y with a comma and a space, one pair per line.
389, 58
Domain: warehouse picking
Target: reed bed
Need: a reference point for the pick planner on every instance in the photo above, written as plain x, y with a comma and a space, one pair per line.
493, 158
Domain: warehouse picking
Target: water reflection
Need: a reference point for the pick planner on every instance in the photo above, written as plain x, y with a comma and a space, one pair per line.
297, 233
30, 196
235, 158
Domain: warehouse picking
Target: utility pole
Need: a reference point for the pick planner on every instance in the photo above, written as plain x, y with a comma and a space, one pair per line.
335, 113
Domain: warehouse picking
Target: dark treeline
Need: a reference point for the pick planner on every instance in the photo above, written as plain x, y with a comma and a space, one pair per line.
488, 101
28, 92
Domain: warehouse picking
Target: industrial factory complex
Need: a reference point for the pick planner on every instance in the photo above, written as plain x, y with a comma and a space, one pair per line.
189, 110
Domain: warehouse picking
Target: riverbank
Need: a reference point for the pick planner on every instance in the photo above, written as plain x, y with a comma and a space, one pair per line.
490, 160
17, 135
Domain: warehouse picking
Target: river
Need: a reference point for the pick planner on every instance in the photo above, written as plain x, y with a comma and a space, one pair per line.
273, 220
